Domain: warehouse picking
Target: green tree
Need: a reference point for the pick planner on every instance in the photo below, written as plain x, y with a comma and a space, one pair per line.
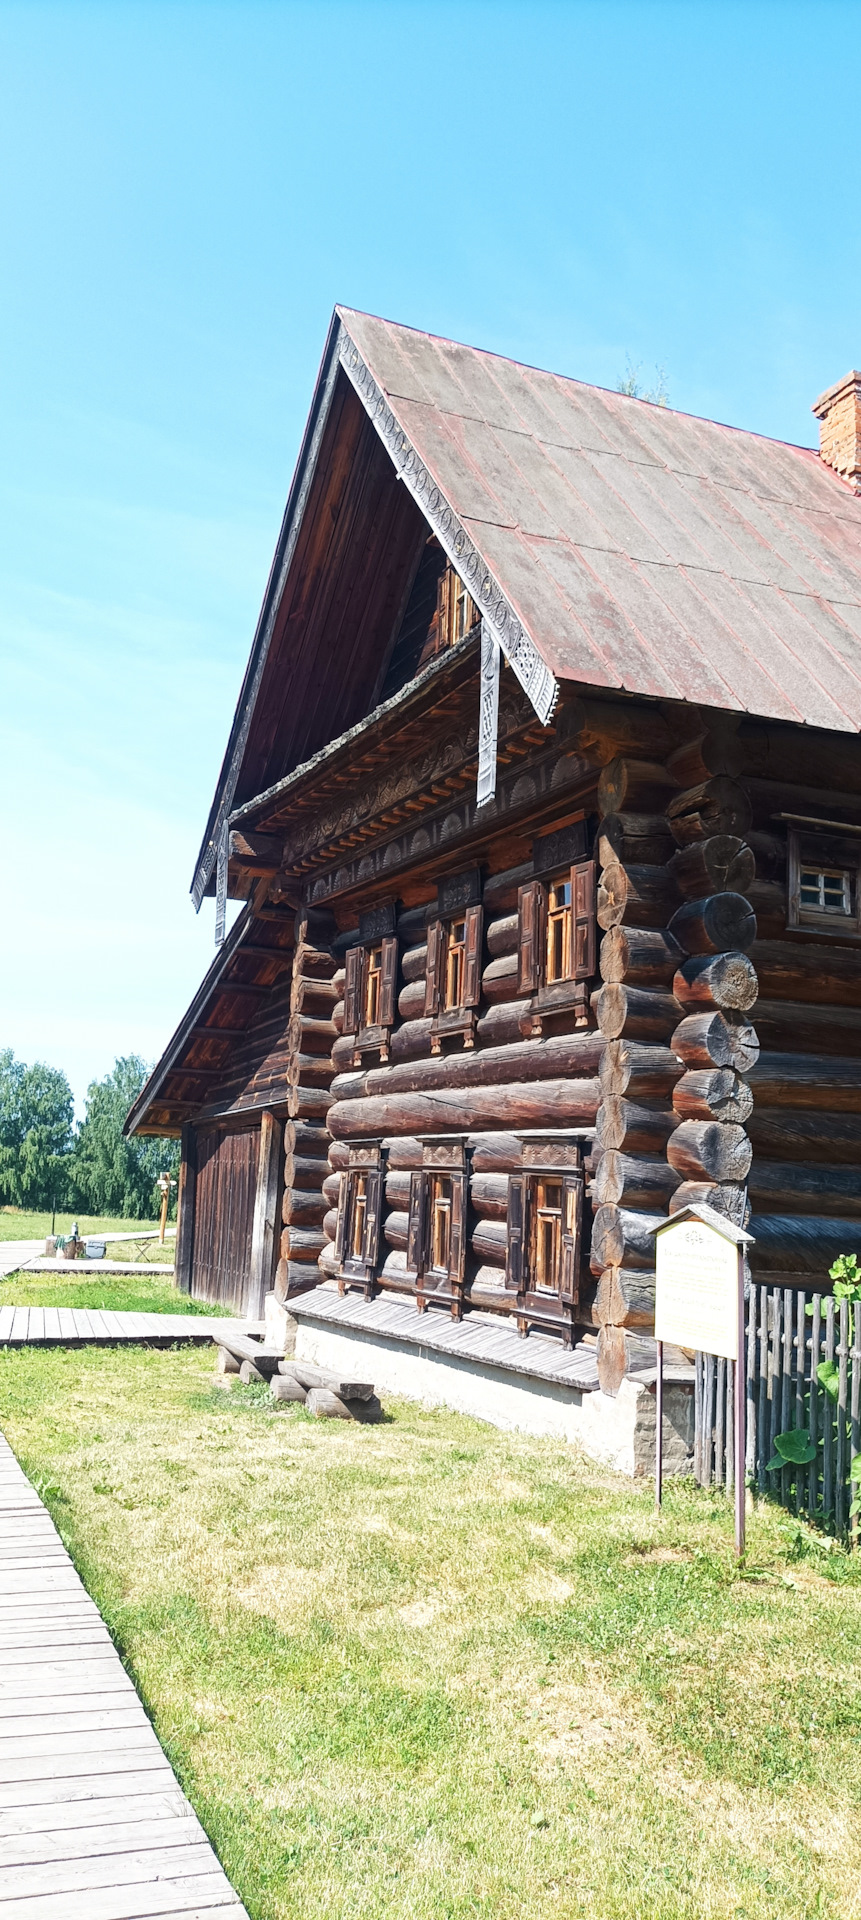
36, 1113
113, 1175
631, 384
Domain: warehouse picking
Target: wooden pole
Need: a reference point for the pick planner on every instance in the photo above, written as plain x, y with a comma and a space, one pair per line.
740, 1416
659, 1426
165, 1197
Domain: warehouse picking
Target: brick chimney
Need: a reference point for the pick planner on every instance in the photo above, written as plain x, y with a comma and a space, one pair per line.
838, 411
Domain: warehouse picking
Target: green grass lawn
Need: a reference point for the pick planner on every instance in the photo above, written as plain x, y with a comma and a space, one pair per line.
428, 1671
152, 1290
16, 1224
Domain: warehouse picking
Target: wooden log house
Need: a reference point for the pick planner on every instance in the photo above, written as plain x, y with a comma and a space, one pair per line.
543, 798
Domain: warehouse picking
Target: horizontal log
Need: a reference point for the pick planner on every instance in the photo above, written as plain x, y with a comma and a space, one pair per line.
308, 1103
716, 1040
349, 1084
575, 1054
806, 970
782, 1186
339, 980
628, 1180
301, 1208
638, 839
711, 807
805, 1080
411, 1041
503, 935
489, 1195
717, 751
636, 896
641, 1071
713, 1093
487, 1287
330, 1223
339, 1156
291, 1277
768, 900
500, 890
625, 1299
496, 1153
800, 1243
499, 979
641, 1013
621, 1123
500, 1025
628, 785
394, 1271
778, 1133
396, 1226
793, 1025
338, 1016
710, 1150
604, 729
332, 1189
308, 1141
302, 1244
313, 996
723, 864
724, 981
411, 1000
307, 1033
623, 1238
723, 923
309, 1070
639, 956
489, 1241
414, 963
299, 1172
729, 1198
564, 1103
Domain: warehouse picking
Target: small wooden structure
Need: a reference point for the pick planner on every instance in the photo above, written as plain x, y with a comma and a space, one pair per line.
543, 798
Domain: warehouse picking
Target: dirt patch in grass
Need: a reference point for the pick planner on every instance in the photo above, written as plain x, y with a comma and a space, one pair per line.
427, 1671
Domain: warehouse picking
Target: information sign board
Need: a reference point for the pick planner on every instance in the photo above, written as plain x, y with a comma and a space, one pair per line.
696, 1288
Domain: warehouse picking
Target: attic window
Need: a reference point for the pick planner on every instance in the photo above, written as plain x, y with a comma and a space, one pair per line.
457, 612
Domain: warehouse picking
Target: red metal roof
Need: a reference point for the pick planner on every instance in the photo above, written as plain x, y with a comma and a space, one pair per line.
640, 548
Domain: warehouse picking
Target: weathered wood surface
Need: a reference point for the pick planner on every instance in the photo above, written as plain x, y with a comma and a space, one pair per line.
84, 1326
93, 1821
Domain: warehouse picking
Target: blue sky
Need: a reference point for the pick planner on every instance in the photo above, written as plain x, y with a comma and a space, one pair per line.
185, 191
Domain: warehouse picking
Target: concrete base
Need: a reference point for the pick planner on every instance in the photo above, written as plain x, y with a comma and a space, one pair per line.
619, 1433
280, 1326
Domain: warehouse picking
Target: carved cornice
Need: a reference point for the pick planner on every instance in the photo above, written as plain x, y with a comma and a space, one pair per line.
518, 647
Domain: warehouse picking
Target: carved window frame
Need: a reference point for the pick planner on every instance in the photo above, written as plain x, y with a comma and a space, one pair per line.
362, 1183
571, 992
433, 1284
376, 933
554, 1304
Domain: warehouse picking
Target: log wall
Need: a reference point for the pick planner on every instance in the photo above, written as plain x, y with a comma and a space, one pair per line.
315, 990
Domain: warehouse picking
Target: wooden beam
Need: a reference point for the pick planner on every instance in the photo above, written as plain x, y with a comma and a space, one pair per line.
265, 1229
256, 849
217, 1033
184, 1251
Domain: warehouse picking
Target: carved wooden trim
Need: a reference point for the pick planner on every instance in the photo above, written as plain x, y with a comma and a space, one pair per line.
517, 645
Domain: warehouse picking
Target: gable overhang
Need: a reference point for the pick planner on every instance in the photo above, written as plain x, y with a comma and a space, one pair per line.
341, 354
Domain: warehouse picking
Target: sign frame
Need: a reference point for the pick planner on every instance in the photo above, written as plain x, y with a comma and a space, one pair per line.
731, 1311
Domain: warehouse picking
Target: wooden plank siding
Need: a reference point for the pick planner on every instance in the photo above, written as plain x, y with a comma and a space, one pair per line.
225, 1193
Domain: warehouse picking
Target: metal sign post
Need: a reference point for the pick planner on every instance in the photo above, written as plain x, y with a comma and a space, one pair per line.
699, 1305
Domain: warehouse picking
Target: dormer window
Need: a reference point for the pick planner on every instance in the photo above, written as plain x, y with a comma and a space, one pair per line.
457, 612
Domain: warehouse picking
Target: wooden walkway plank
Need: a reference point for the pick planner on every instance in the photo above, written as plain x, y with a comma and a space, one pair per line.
92, 1819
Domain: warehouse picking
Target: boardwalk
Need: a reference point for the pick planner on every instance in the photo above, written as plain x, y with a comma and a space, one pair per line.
93, 1825
86, 1326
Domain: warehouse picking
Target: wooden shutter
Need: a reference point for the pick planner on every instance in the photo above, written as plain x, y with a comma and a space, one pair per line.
354, 969
530, 908
343, 1213
457, 1241
572, 1214
416, 1235
515, 1262
585, 924
472, 964
433, 976
388, 981
373, 1212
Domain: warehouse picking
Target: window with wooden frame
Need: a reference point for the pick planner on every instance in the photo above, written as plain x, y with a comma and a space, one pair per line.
457, 612
436, 1237
453, 976
558, 941
357, 1237
370, 994
545, 1212
824, 871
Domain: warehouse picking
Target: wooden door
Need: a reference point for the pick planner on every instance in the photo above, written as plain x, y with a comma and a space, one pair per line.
224, 1197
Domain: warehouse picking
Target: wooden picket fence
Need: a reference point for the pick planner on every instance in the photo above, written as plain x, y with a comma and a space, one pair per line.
785, 1345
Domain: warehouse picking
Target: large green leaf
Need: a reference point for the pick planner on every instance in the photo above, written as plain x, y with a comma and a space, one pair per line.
794, 1448
828, 1375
